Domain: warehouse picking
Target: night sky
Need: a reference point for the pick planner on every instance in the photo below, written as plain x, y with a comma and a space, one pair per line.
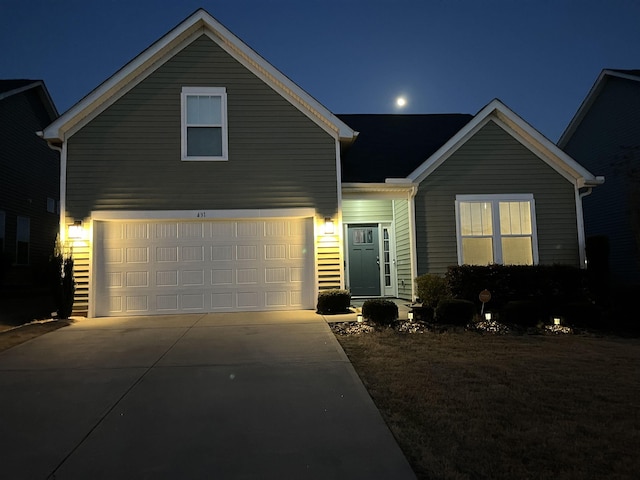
354, 56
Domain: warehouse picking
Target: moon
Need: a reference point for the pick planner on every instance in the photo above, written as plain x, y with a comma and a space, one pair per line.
401, 102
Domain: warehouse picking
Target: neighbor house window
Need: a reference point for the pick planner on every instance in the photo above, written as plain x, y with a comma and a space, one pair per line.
23, 234
204, 123
496, 229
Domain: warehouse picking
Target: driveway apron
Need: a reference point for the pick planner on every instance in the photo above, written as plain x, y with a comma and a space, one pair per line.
240, 396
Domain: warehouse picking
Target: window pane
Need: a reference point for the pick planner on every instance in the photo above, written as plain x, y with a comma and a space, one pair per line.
204, 141
517, 251
477, 251
475, 218
204, 110
193, 110
515, 218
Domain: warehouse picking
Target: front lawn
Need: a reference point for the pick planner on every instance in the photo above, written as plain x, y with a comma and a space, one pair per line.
464, 405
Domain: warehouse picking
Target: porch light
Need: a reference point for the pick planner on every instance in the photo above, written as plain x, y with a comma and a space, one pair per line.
76, 231
328, 226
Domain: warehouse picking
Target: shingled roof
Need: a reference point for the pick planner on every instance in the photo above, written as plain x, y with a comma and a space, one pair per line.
394, 145
14, 84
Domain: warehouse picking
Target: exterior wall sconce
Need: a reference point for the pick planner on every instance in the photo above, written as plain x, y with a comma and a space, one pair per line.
76, 232
328, 226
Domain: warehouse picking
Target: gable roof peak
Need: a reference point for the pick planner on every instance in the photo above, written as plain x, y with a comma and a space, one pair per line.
198, 23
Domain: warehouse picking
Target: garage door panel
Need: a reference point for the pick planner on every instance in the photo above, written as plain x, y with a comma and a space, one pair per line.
165, 267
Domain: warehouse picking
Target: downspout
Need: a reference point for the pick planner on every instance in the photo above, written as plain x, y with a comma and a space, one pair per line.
412, 240
63, 177
587, 189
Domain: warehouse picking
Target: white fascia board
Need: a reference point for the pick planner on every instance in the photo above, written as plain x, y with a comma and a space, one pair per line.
545, 149
202, 215
445, 151
121, 82
162, 50
363, 190
527, 135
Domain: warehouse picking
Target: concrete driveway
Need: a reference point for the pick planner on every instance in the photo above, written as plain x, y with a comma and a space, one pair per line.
216, 396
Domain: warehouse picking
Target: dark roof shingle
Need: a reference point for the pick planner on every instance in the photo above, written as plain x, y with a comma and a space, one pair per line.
394, 145
13, 84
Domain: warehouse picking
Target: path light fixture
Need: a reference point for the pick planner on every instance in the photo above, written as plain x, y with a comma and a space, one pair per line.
487, 316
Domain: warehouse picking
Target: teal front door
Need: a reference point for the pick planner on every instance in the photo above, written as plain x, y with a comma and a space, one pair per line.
364, 260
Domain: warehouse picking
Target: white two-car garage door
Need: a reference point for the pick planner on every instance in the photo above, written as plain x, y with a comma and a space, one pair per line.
163, 267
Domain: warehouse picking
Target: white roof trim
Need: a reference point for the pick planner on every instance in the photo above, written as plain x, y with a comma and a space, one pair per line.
378, 190
163, 49
589, 100
532, 139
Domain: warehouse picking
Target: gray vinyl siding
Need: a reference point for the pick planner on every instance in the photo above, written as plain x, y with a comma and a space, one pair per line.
403, 248
129, 157
609, 131
374, 211
29, 174
493, 162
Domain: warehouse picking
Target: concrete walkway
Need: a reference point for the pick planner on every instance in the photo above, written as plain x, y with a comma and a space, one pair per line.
216, 396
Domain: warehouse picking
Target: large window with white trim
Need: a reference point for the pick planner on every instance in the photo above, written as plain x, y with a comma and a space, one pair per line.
496, 229
204, 123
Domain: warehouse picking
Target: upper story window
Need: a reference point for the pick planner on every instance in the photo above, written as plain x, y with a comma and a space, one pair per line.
496, 229
204, 123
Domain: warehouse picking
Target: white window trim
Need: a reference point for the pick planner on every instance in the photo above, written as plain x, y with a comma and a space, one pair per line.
495, 213
219, 91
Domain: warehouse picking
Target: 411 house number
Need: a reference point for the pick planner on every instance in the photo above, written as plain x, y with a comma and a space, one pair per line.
201, 214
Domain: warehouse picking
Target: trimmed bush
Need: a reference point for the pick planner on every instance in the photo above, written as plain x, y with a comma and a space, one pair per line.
581, 314
333, 301
431, 289
524, 313
380, 312
423, 314
455, 311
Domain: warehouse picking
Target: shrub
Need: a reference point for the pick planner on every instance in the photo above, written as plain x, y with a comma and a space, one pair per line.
581, 314
63, 284
333, 301
431, 289
423, 314
455, 311
380, 312
525, 313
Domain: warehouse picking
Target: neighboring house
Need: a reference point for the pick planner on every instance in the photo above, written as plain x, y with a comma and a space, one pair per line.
29, 182
199, 178
604, 136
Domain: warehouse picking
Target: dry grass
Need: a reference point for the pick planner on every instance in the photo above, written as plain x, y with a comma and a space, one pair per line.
469, 406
